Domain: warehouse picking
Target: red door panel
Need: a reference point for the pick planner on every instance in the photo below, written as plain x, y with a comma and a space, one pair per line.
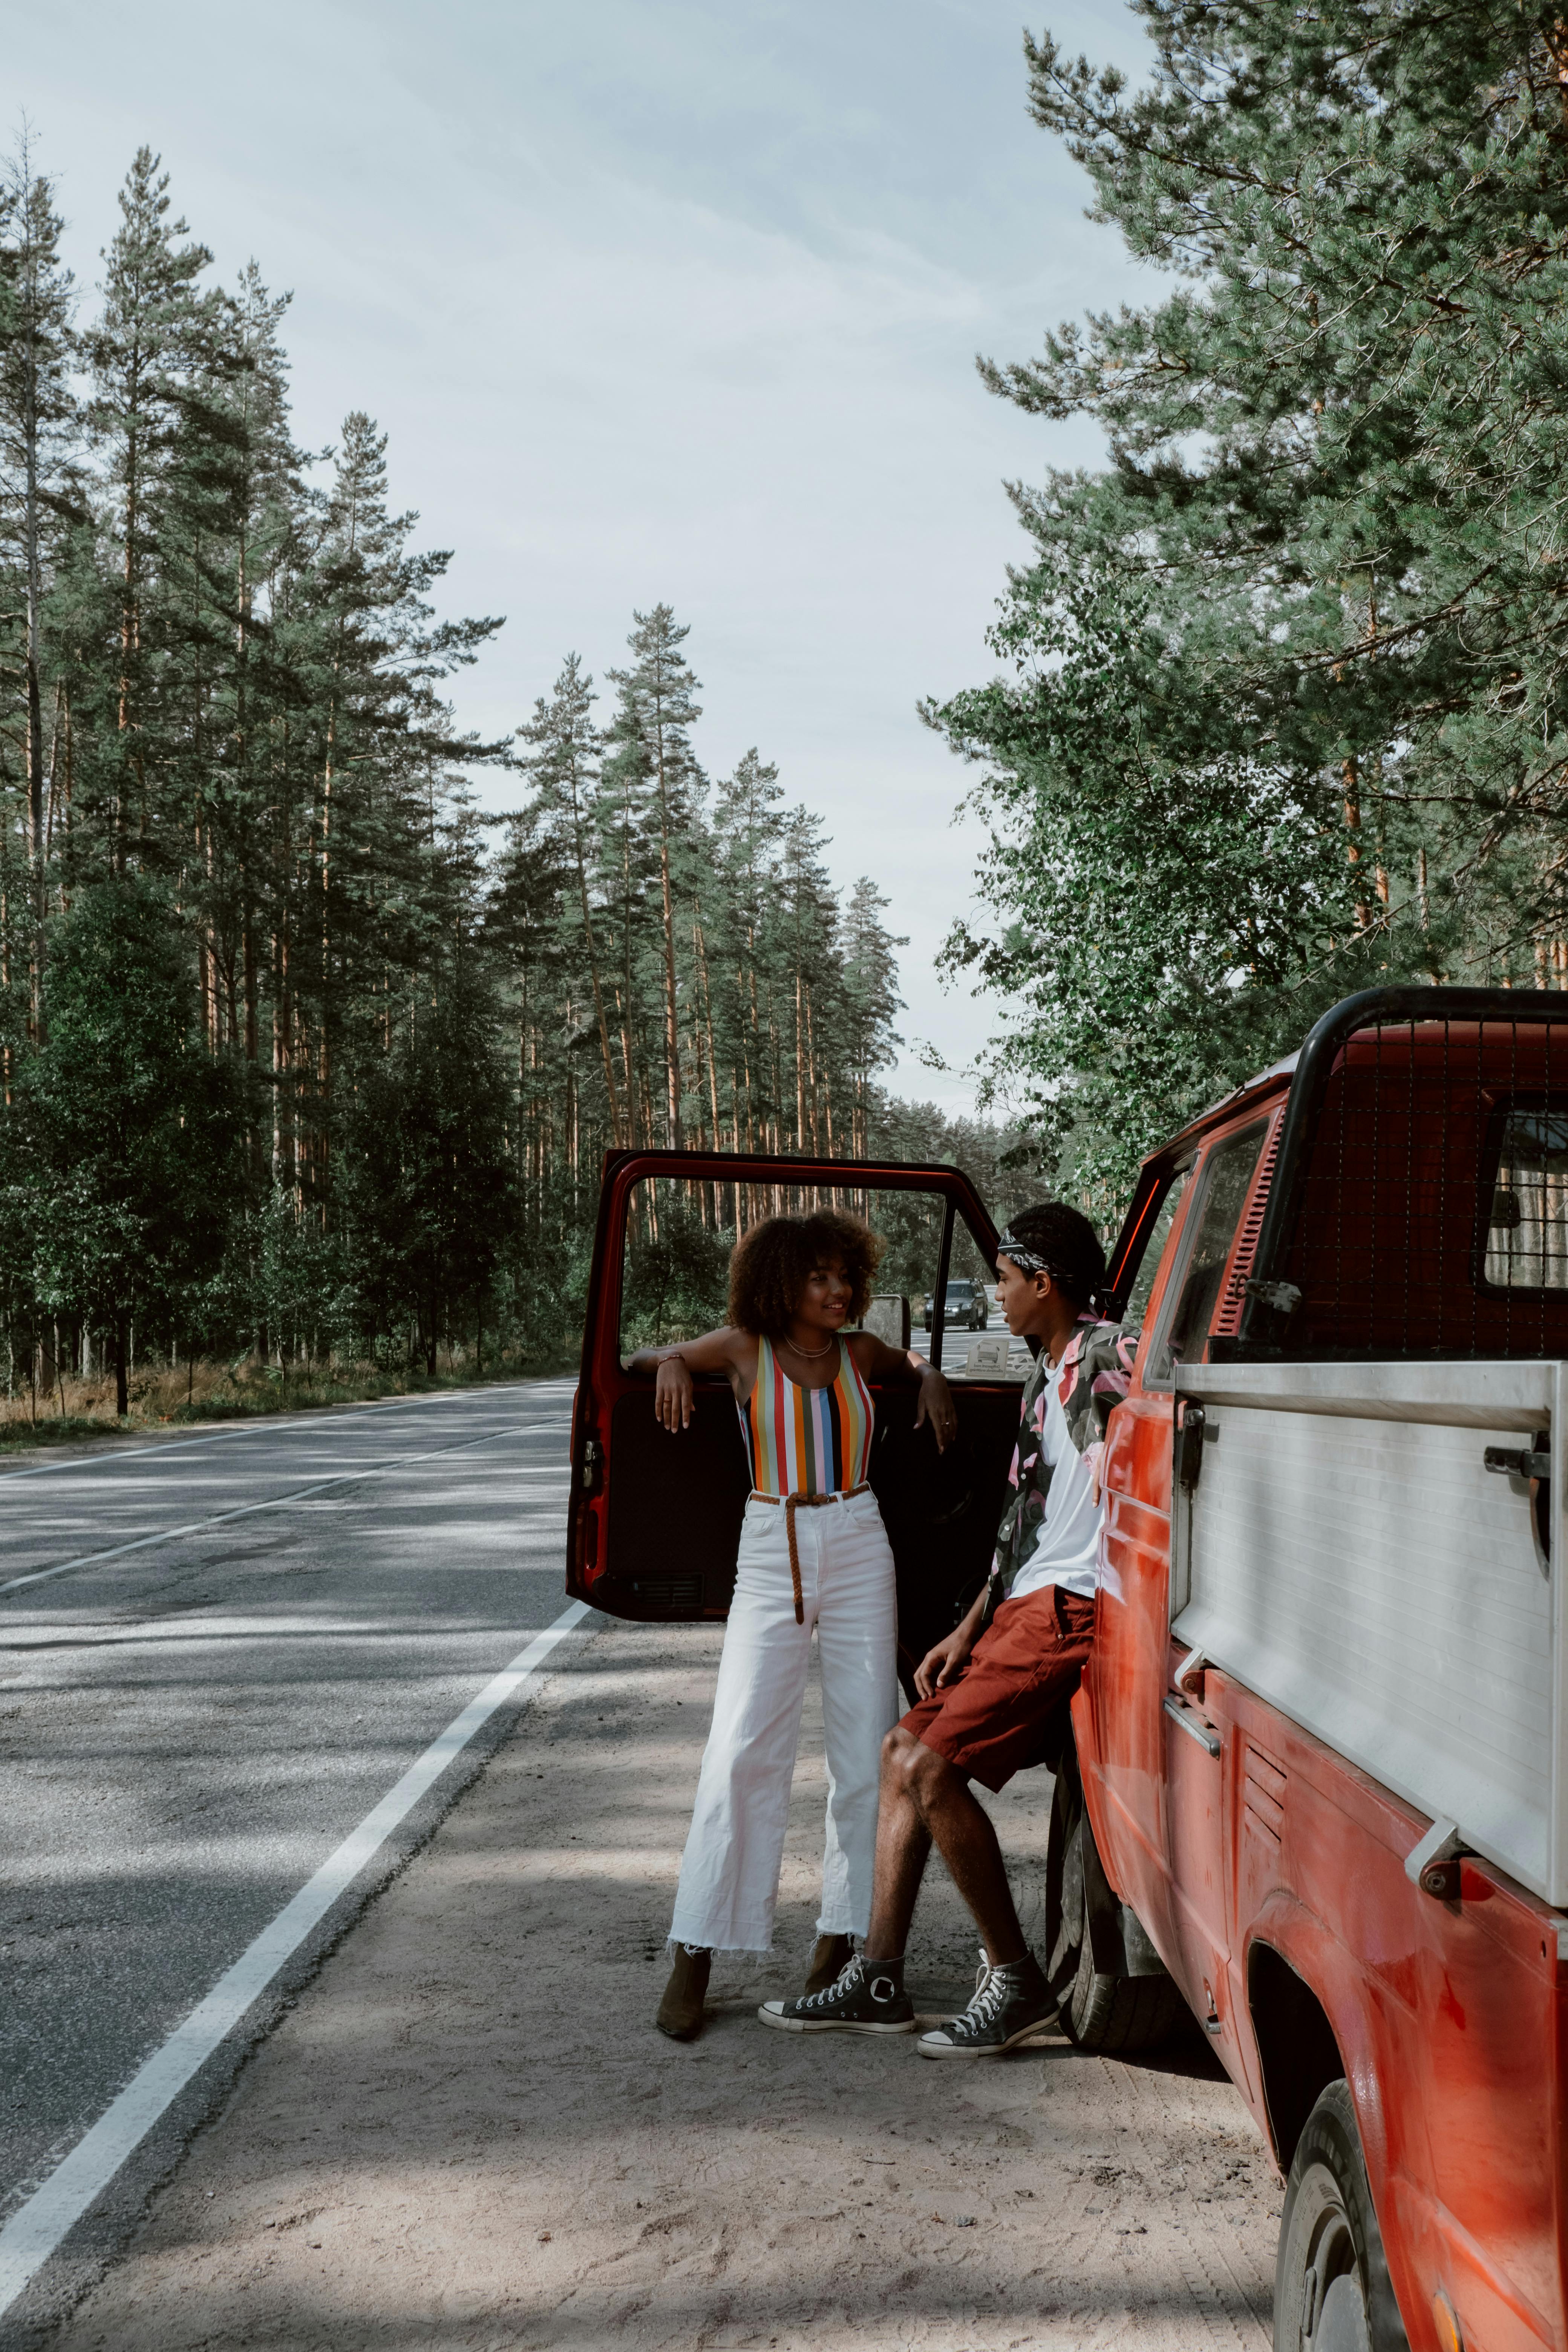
1123, 1755
655, 1517
676, 1503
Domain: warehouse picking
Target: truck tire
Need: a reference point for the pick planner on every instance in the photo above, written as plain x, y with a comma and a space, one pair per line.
1095, 2010
1332, 2288
1115, 2013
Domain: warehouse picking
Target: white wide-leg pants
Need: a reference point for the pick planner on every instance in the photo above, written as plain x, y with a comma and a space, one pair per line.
729, 1872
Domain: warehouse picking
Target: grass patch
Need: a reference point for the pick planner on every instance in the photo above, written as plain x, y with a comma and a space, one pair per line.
206, 1391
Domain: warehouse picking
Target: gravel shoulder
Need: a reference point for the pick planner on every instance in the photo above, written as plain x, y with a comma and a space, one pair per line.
467, 2133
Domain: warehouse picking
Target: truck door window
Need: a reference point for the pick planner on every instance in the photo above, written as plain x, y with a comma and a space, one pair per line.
679, 1232
1224, 1179
1527, 1233
1154, 1249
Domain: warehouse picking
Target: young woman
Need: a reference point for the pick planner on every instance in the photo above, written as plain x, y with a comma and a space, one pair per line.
813, 1553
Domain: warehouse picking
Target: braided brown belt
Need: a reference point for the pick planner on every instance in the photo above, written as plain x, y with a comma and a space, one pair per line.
792, 1503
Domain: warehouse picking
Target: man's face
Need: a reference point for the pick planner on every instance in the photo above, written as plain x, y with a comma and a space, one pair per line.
1024, 1298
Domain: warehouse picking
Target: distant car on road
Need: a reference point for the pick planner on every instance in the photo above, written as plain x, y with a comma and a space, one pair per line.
964, 1303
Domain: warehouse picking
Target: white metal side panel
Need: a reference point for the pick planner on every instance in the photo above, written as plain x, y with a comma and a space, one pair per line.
1370, 1578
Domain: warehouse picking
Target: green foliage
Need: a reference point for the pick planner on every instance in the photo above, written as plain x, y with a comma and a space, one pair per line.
1284, 705
428, 1192
676, 1279
122, 1149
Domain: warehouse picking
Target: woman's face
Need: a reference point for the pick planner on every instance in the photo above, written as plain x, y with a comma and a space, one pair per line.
824, 1300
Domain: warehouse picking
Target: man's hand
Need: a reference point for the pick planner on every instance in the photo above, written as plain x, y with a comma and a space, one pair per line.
935, 1404
673, 1400
943, 1662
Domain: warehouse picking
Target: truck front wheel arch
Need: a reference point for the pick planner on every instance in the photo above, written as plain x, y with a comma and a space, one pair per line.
1296, 2046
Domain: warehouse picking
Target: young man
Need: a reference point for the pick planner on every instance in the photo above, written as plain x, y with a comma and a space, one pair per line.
988, 1692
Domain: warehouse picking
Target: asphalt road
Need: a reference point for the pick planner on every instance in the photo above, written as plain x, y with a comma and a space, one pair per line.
217, 1653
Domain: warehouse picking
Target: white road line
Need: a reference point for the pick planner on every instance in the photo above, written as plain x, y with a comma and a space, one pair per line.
272, 1503
54, 1637
264, 1425
37, 2228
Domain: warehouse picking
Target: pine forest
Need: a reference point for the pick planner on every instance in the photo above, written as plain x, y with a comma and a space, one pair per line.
305, 1057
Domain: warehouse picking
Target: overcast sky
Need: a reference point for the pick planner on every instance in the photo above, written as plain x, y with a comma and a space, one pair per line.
658, 299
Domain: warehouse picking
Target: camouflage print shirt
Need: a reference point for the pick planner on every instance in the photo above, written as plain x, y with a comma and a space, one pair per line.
1091, 1379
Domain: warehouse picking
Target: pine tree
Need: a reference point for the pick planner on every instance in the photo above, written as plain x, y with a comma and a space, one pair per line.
872, 1003
661, 691
1286, 706
749, 832
144, 349
39, 430
564, 765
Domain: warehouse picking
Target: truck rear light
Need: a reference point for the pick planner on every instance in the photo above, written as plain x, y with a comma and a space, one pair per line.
1450, 2335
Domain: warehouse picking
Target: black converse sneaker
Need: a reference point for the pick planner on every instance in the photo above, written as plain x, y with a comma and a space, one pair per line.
867, 1997
1009, 2004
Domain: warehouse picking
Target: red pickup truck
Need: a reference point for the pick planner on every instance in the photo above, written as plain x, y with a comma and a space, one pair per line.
1315, 1783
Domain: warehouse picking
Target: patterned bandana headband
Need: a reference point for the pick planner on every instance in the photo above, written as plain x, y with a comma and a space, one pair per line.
1028, 1261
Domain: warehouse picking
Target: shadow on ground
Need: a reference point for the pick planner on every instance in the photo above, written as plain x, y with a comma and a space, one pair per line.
468, 2134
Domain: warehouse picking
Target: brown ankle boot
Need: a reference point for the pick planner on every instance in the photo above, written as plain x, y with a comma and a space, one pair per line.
680, 2011
828, 1960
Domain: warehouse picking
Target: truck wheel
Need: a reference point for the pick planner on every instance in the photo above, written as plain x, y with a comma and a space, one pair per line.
1114, 2013
1331, 2289
1096, 2011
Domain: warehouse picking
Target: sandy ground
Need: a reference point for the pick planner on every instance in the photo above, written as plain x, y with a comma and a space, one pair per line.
467, 2133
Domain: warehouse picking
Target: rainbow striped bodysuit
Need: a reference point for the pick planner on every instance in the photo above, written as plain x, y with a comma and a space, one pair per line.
807, 1441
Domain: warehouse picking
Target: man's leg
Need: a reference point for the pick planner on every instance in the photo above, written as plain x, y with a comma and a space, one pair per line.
1027, 1664
869, 1995
924, 1798
904, 1841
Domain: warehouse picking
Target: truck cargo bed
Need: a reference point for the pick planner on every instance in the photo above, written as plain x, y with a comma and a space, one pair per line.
1344, 1550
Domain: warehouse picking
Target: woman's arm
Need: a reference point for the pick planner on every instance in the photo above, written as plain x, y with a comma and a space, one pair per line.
716, 1351
881, 1362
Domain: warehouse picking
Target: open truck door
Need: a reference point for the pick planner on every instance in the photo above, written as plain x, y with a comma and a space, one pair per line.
655, 1518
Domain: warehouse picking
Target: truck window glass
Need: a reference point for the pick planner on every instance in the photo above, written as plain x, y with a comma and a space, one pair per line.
1154, 1249
1527, 1234
1226, 1179
679, 1232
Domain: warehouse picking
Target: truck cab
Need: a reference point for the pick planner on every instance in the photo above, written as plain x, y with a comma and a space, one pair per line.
1316, 1784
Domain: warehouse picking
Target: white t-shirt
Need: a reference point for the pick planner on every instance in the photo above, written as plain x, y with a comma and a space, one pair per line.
1068, 1549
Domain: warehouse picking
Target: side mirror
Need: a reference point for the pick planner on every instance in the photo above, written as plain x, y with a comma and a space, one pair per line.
887, 1318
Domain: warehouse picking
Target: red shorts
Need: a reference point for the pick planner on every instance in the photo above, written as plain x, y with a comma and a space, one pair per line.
995, 1719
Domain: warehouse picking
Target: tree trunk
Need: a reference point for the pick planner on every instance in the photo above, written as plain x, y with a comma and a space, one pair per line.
616, 1127
121, 1384
671, 1003
32, 552
1351, 779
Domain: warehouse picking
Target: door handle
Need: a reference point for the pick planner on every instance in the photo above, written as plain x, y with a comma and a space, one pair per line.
1190, 1436
1525, 1464
1196, 1726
